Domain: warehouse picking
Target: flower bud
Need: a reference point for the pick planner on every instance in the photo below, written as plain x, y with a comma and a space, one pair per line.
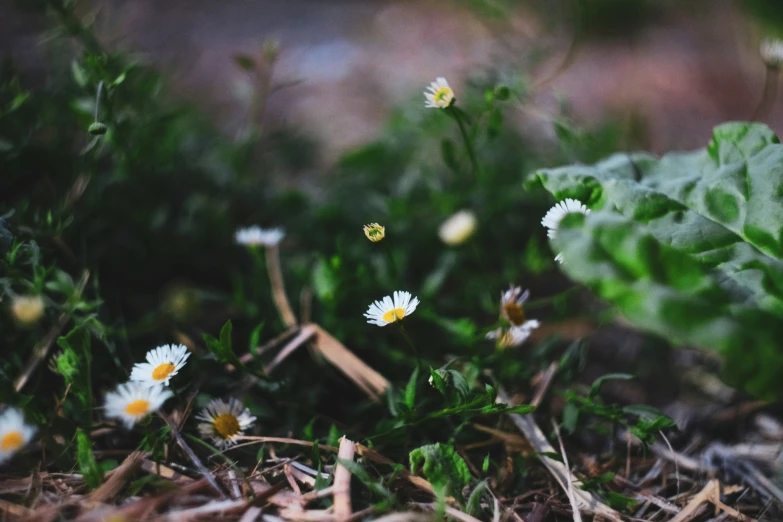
97, 129
458, 228
28, 309
771, 51
374, 232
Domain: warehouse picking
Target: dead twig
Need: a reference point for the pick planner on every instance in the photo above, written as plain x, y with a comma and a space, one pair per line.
342, 481
191, 455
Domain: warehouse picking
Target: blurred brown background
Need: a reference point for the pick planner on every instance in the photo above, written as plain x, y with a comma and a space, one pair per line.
672, 70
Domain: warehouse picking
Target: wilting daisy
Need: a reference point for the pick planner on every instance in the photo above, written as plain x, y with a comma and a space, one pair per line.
256, 235
133, 401
771, 50
374, 232
458, 228
391, 309
439, 95
511, 302
556, 214
162, 364
514, 336
14, 433
224, 421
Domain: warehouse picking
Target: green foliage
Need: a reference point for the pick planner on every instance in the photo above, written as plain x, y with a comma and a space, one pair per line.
644, 422
442, 467
221, 348
688, 246
87, 464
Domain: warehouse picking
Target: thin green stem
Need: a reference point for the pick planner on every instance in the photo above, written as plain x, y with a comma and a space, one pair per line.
465, 140
98, 99
410, 343
392, 265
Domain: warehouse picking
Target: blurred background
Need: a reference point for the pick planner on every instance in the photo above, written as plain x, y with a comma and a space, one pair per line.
670, 70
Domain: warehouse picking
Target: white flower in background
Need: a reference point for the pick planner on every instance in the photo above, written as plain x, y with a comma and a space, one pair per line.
391, 309
771, 50
511, 302
556, 214
28, 309
458, 228
224, 421
374, 232
256, 235
14, 433
133, 401
439, 95
514, 336
162, 364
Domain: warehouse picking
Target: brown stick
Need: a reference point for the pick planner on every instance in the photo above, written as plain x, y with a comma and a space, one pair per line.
342, 481
193, 458
278, 286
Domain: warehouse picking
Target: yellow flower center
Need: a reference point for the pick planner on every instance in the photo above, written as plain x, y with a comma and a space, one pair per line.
444, 94
138, 407
11, 441
226, 425
514, 313
161, 372
394, 315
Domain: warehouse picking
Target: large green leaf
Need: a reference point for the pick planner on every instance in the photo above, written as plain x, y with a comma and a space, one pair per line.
689, 245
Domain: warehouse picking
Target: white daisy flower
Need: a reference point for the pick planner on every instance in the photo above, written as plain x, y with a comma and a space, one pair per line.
374, 232
14, 433
458, 228
556, 214
162, 364
514, 336
256, 235
391, 309
133, 401
439, 95
224, 421
511, 302
771, 50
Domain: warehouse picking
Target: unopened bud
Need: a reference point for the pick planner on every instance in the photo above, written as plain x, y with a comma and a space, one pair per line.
28, 309
771, 51
458, 228
97, 129
374, 232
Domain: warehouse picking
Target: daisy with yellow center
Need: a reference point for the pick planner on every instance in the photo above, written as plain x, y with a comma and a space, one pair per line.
162, 364
374, 232
14, 433
391, 309
439, 95
224, 421
556, 214
133, 401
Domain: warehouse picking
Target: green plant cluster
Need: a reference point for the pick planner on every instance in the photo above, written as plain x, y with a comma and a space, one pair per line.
688, 246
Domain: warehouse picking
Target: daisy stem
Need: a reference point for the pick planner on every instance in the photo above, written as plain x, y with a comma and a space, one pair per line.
278, 285
410, 343
465, 139
392, 265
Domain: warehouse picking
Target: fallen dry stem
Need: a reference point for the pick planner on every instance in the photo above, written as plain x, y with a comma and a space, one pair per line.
342, 481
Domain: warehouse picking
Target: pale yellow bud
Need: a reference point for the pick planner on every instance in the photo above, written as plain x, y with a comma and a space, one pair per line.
374, 232
28, 309
458, 228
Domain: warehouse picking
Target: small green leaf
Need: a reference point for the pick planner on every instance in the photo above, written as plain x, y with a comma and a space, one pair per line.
79, 74
409, 398
221, 348
596, 387
87, 464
